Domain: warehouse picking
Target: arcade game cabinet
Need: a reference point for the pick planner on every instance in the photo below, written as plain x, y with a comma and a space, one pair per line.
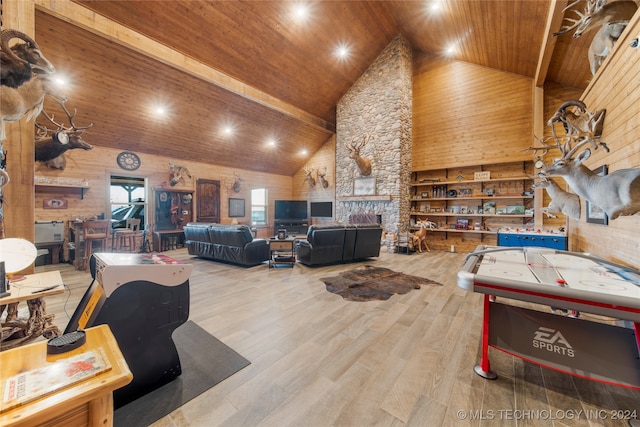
143, 298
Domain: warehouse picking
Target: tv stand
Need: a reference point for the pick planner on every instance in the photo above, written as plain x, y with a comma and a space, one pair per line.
293, 226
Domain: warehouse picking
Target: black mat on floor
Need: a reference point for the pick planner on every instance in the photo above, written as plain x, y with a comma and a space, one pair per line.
205, 362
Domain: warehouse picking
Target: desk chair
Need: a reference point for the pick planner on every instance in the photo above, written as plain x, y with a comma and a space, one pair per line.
126, 237
92, 232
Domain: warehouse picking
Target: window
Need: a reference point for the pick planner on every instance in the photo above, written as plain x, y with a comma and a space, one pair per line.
127, 196
259, 206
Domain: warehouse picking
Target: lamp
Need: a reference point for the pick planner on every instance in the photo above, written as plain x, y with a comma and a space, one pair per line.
15, 255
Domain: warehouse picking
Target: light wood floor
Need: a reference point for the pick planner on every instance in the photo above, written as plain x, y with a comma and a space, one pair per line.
318, 360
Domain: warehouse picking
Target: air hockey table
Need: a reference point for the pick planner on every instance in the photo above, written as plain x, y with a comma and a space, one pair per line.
567, 282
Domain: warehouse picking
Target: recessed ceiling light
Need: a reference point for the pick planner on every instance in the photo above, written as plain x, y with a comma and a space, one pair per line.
342, 51
304, 152
301, 11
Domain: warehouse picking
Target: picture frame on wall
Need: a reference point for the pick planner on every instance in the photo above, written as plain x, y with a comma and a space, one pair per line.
236, 208
595, 214
364, 187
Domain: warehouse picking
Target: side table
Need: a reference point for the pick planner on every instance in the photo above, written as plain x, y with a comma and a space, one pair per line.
282, 252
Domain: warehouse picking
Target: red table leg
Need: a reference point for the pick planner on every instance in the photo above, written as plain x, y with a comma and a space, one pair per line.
483, 368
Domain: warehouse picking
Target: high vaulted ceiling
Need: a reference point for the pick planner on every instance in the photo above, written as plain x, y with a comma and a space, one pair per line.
251, 65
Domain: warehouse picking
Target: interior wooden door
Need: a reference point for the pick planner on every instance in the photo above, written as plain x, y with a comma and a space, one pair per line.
208, 195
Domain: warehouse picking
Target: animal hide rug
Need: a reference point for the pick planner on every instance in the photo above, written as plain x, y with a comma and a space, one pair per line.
373, 283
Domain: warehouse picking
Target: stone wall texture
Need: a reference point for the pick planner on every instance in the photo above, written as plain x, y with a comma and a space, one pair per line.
379, 103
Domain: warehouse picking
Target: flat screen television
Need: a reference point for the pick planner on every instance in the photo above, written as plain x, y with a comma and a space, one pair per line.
322, 209
290, 209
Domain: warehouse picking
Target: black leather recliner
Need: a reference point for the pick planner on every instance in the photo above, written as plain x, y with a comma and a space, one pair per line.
228, 243
330, 244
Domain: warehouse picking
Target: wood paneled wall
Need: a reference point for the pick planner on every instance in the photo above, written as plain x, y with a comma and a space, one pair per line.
325, 157
99, 164
466, 115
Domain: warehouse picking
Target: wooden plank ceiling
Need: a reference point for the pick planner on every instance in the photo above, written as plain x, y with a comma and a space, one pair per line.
261, 45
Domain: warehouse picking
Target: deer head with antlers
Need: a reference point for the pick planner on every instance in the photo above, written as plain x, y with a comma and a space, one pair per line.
322, 177
50, 145
364, 164
308, 177
617, 193
595, 14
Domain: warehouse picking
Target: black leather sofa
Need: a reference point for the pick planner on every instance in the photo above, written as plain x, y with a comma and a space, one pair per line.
330, 244
227, 243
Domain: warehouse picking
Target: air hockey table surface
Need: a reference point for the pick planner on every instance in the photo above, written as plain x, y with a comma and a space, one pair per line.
577, 282
570, 280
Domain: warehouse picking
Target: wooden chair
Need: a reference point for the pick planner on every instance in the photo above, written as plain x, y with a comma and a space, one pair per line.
96, 231
126, 237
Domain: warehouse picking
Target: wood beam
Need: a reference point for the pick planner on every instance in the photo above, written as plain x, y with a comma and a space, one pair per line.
18, 207
97, 24
554, 20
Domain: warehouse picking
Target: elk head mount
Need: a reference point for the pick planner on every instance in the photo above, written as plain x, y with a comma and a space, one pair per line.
50, 145
177, 174
364, 164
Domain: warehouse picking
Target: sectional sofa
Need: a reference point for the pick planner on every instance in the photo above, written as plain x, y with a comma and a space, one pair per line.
228, 243
330, 244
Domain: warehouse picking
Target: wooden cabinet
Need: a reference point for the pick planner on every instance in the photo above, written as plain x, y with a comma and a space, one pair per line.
473, 202
173, 208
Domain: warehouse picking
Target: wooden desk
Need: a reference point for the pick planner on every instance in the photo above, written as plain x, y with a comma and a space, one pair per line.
15, 331
86, 403
55, 248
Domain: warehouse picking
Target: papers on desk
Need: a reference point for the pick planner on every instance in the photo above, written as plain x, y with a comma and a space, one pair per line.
36, 383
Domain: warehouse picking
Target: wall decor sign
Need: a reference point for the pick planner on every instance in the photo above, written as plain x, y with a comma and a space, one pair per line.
364, 187
236, 207
479, 176
595, 214
55, 204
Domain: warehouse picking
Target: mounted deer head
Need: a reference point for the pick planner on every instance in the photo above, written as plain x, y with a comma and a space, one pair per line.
308, 177
237, 183
595, 14
354, 147
617, 193
321, 176
50, 145
562, 201
178, 173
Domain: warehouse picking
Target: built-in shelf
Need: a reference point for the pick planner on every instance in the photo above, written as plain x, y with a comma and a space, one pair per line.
386, 198
469, 181
81, 187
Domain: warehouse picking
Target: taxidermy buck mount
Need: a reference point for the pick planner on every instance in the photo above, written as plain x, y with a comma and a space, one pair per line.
612, 17
50, 145
177, 174
617, 193
354, 147
322, 177
308, 177
561, 201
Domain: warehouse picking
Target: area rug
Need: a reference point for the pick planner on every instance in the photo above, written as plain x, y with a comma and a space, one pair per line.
205, 362
373, 283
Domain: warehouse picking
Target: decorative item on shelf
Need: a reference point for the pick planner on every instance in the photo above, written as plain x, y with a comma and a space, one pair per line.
489, 208
460, 178
464, 192
452, 193
282, 233
425, 195
128, 160
481, 176
177, 174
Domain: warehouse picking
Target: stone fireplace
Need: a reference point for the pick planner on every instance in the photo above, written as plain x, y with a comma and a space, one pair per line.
380, 104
